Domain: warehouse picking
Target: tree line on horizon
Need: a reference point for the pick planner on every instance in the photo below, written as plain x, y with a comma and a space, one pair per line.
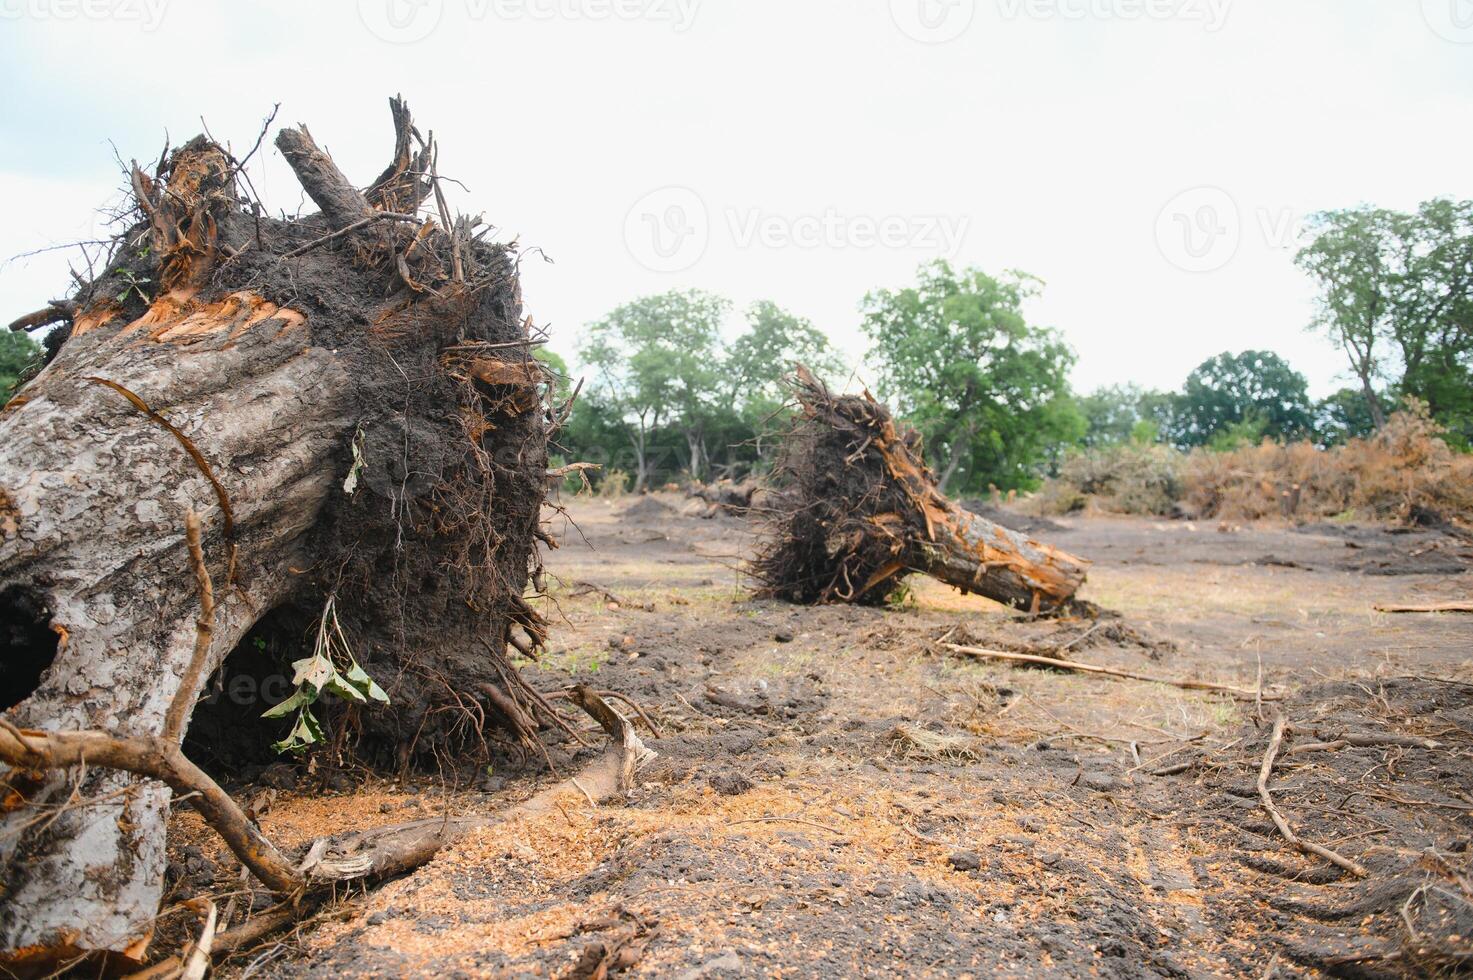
668, 397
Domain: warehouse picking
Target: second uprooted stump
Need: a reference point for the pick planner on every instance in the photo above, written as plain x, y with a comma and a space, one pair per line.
854, 509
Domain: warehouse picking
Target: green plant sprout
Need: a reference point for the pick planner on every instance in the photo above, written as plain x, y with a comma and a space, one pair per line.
133, 284
319, 674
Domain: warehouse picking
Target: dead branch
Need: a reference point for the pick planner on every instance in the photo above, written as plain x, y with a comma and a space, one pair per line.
180, 707
387, 852
161, 759
1275, 740
349, 229
1074, 665
54, 312
1433, 607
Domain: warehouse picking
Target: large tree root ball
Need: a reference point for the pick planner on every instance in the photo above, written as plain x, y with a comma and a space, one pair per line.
350, 402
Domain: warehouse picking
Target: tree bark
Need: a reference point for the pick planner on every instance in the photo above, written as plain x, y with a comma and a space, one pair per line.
243, 369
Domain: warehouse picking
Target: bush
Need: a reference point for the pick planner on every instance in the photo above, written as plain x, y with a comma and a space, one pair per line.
1406, 472
1126, 479
614, 485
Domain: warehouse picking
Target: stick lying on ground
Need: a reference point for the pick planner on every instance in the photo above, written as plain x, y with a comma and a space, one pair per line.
1434, 607
1074, 665
855, 509
1275, 740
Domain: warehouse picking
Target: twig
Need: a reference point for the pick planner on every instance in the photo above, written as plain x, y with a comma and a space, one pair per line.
797, 820
1434, 607
197, 962
161, 759
179, 708
1276, 740
341, 232
1073, 665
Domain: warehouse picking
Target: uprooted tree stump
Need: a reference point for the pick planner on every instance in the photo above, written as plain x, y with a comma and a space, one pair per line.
853, 509
350, 402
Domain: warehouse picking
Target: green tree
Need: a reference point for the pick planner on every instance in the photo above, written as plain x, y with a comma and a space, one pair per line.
1396, 294
1117, 414
17, 353
959, 360
1345, 415
1237, 391
754, 367
655, 362
774, 341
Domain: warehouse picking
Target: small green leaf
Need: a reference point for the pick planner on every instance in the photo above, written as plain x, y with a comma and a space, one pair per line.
300, 699
313, 671
337, 685
359, 678
307, 731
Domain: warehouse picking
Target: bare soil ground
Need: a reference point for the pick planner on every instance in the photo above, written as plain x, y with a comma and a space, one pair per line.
835, 797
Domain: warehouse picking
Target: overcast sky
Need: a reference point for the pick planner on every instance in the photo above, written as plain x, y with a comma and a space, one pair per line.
1148, 159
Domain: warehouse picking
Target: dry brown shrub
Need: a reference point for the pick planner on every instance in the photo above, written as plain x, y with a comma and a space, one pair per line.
1404, 473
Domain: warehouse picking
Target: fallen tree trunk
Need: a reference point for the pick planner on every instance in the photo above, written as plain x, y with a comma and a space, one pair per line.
313, 388
855, 509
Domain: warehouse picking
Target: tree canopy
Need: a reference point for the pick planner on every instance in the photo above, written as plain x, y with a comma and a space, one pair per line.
655, 361
17, 353
1253, 389
958, 359
1396, 294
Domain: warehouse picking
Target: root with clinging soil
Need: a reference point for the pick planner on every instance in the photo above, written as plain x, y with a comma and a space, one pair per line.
855, 509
